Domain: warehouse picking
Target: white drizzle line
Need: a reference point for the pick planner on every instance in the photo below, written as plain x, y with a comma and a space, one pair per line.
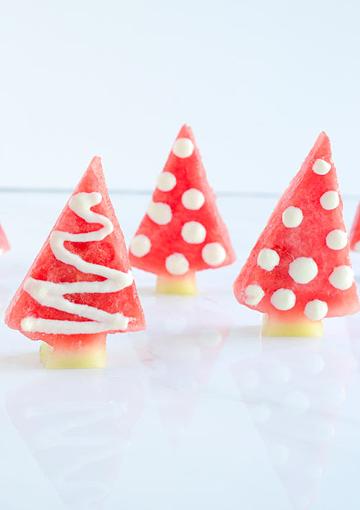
51, 294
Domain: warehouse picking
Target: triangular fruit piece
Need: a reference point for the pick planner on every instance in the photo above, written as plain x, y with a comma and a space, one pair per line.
80, 286
4, 243
299, 270
355, 232
182, 231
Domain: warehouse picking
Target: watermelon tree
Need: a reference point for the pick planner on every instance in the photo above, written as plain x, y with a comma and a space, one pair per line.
299, 270
80, 287
355, 232
182, 231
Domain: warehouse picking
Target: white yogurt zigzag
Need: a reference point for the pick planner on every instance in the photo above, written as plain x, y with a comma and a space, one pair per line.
52, 294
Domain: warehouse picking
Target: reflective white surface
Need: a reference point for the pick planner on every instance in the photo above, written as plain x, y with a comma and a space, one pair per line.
196, 412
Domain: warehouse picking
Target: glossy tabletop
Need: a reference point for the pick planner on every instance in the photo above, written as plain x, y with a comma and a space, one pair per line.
196, 412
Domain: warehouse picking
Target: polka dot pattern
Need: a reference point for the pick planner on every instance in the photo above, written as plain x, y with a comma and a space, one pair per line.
183, 148
342, 277
253, 294
268, 259
160, 213
316, 310
166, 181
213, 254
193, 199
321, 167
336, 240
330, 200
193, 232
303, 270
283, 299
304, 214
292, 217
177, 264
140, 245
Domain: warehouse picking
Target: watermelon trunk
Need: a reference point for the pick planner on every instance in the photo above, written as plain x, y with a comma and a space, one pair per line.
275, 327
181, 285
77, 354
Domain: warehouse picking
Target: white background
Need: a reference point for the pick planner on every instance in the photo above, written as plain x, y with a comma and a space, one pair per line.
256, 79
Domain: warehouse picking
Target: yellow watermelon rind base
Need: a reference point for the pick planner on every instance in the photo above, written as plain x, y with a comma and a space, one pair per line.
303, 328
93, 356
183, 286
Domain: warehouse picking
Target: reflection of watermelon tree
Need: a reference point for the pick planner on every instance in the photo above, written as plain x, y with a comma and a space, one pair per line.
182, 231
294, 393
184, 363
80, 287
79, 438
299, 270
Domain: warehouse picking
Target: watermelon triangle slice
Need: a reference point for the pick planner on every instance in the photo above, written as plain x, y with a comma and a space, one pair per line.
4, 243
299, 270
80, 286
355, 232
182, 231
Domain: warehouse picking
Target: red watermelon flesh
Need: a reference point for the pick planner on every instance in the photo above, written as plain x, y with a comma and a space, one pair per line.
4, 243
355, 232
110, 252
182, 231
309, 249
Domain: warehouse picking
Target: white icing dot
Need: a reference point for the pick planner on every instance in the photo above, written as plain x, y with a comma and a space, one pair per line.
268, 259
342, 277
321, 167
303, 269
140, 245
330, 200
253, 294
283, 299
193, 199
159, 212
357, 246
336, 239
213, 254
316, 310
292, 217
177, 264
193, 232
183, 147
166, 181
